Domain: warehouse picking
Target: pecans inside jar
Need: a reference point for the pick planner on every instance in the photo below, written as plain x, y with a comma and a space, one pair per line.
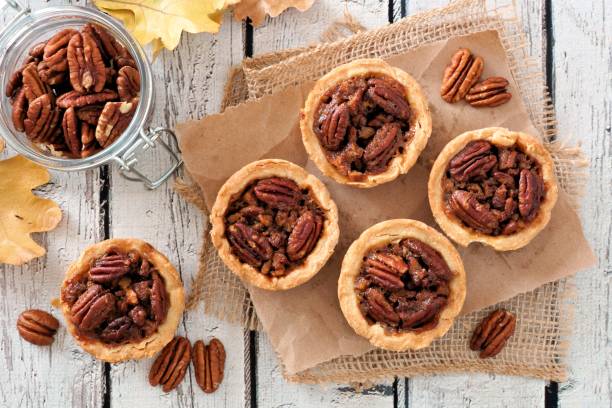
273, 225
492, 189
75, 93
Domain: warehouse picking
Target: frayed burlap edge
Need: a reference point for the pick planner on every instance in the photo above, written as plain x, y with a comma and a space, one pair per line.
540, 345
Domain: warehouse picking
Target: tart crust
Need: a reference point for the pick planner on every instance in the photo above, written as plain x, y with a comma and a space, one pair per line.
165, 331
319, 254
376, 236
464, 235
420, 121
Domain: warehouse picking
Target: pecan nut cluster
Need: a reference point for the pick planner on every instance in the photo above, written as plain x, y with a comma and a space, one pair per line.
404, 286
460, 81
494, 190
76, 93
37, 327
273, 225
121, 299
491, 335
171, 365
362, 123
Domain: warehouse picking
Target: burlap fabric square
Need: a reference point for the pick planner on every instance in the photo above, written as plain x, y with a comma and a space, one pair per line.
540, 344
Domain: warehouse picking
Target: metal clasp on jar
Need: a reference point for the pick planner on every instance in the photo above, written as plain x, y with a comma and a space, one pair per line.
148, 139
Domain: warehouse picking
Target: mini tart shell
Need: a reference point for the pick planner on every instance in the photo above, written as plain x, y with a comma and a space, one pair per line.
379, 235
165, 332
420, 121
318, 256
454, 227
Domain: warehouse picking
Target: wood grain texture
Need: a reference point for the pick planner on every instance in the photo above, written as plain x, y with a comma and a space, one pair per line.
61, 374
582, 90
188, 84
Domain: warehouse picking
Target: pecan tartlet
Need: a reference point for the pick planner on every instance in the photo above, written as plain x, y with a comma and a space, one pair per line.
365, 123
493, 186
401, 285
274, 224
122, 300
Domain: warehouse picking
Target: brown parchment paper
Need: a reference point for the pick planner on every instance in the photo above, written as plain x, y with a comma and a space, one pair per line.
215, 147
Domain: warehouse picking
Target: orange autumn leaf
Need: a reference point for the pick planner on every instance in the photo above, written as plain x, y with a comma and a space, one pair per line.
21, 212
257, 9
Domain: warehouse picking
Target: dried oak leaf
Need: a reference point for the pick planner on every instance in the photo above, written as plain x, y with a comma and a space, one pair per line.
257, 9
21, 212
162, 21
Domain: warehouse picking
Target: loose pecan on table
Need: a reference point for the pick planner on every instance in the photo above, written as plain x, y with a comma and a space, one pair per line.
462, 73
491, 92
209, 364
171, 365
491, 335
37, 327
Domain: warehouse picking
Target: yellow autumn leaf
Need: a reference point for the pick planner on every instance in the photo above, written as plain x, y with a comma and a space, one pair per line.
257, 9
163, 21
21, 212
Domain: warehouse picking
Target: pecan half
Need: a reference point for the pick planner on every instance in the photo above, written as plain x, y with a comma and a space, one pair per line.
117, 330
56, 49
462, 73
128, 83
159, 301
491, 335
72, 130
38, 50
304, 236
37, 327
379, 308
335, 126
92, 308
490, 92
87, 71
382, 147
209, 364
278, 192
48, 75
415, 314
248, 244
20, 110
430, 256
42, 119
171, 365
90, 114
109, 268
386, 269
389, 98
13, 86
76, 100
32, 84
467, 208
109, 46
531, 189
472, 161
114, 119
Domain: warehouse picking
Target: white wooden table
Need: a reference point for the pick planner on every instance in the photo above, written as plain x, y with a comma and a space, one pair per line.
573, 40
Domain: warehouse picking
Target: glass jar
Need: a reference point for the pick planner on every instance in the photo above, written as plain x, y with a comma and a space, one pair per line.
27, 29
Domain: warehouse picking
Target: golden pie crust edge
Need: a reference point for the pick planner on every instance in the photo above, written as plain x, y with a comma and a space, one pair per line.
317, 257
420, 121
464, 235
375, 237
149, 346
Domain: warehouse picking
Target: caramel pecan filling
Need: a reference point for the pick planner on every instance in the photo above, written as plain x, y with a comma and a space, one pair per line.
273, 225
363, 123
121, 299
495, 190
403, 286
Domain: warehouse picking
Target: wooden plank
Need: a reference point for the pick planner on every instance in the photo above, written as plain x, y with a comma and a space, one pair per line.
582, 85
481, 389
189, 84
61, 374
294, 29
